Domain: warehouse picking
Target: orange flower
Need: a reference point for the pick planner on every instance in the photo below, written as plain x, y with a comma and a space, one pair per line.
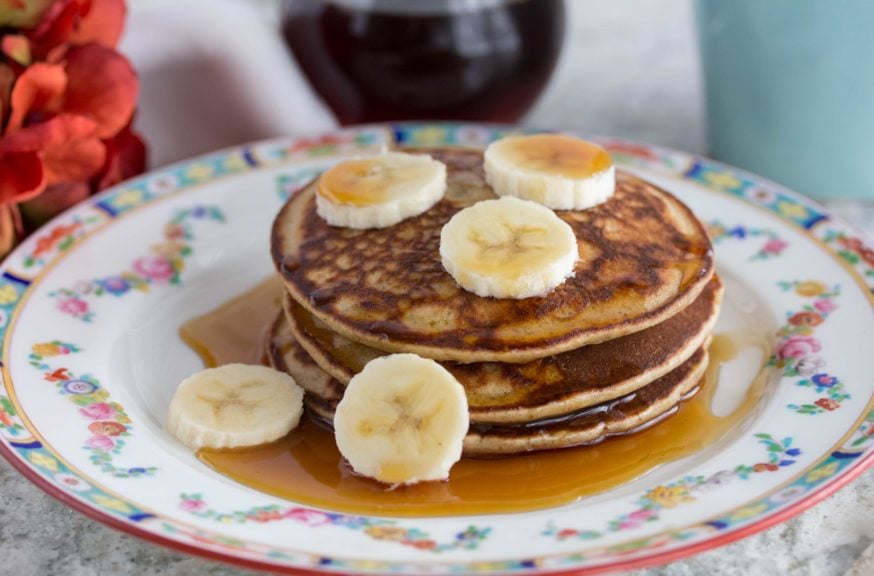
102, 86
66, 103
67, 144
58, 116
75, 22
810, 288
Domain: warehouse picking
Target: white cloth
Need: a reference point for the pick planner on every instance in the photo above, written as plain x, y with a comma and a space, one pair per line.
214, 73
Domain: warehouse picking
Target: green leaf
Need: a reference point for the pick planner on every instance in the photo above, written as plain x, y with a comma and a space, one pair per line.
26, 16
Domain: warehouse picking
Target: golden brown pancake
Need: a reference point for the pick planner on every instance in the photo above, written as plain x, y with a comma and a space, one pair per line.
631, 412
643, 258
504, 392
322, 393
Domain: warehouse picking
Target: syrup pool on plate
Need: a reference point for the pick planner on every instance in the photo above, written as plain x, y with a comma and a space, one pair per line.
306, 466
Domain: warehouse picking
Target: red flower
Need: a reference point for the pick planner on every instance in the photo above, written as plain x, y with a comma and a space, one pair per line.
827, 404
422, 544
125, 157
66, 103
765, 467
5, 420
853, 244
75, 22
58, 375
805, 319
107, 428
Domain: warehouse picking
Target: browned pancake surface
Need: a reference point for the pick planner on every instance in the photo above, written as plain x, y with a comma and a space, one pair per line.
505, 392
643, 257
629, 413
592, 424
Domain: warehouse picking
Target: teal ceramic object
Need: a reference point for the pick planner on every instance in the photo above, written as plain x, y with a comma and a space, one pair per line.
790, 91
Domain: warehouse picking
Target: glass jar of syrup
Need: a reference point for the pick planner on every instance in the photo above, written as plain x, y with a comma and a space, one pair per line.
381, 60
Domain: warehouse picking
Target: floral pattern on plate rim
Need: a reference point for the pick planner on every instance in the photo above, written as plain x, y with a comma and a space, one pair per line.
109, 423
162, 267
376, 528
780, 453
796, 348
774, 245
781, 203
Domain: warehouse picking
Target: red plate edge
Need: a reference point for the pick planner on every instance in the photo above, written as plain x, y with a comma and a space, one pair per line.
655, 559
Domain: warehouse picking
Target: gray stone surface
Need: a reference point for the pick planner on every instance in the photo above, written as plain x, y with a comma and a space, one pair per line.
630, 69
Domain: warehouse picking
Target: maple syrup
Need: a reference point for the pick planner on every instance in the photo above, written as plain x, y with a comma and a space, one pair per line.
385, 60
306, 466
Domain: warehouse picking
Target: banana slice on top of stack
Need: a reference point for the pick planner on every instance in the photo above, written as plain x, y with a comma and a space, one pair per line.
558, 171
379, 191
508, 248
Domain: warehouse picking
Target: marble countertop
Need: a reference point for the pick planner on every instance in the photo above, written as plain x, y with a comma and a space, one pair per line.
656, 98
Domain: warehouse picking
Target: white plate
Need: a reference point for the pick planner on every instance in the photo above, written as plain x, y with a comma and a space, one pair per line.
90, 307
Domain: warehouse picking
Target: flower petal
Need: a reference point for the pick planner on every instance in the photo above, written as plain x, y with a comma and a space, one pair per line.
51, 133
23, 176
76, 159
17, 47
39, 89
7, 78
68, 145
125, 157
102, 85
55, 27
102, 21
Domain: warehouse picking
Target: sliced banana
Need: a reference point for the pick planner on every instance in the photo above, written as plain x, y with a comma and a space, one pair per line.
561, 172
508, 248
379, 191
402, 420
234, 405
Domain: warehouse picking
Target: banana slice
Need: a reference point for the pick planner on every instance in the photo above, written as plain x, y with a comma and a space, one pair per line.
234, 405
402, 420
561, 172
508, 248
379, 191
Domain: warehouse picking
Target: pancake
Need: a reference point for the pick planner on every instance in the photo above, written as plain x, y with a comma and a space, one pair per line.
322, 393
631, 413
628, 413
503, 392
643, 258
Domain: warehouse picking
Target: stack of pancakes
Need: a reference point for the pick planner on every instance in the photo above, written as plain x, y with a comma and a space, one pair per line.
614, 349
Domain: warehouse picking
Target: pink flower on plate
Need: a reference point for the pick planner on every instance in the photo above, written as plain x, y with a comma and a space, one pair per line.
774, 246
642, 514
192, 505
825, 305
73, 306
157, 268
797, 346
102, 443
98, 411
309, 517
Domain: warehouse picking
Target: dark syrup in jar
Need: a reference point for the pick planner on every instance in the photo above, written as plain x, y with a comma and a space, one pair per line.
384, 60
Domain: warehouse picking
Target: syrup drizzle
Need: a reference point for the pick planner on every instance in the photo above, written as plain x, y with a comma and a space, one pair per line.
307, 468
